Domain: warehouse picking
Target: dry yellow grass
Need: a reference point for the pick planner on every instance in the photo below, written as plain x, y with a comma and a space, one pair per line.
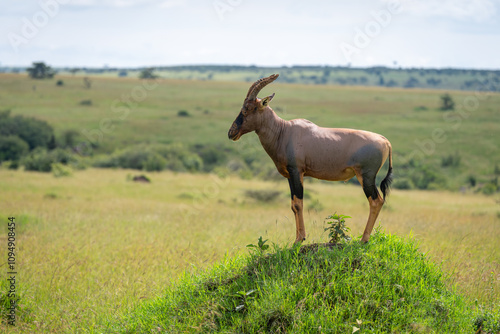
92, 245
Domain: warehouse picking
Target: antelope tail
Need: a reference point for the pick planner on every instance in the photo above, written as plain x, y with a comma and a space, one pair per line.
386, 182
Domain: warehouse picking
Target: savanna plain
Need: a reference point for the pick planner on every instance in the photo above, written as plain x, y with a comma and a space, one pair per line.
93, 245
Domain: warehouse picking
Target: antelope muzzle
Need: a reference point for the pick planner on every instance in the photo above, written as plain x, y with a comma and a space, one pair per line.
234, 132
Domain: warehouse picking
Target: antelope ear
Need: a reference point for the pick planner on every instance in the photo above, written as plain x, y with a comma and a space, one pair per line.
265, 101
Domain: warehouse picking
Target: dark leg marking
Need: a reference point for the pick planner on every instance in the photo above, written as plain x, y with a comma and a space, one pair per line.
369, 186
296, 187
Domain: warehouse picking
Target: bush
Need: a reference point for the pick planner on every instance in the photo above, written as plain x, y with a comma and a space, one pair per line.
211, 155
133, 158
85, 102
12, 148
60, 83
147, 73
38, 160
452, 160
447, 102
60, 170
471, 180
41, 160
426, 176
35, 132
67, 157
155, 162
183, 113
173, 157
179, 158
14, 164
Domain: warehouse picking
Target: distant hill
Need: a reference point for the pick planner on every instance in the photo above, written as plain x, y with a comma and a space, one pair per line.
430, 78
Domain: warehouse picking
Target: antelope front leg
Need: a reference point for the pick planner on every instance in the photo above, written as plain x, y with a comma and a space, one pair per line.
297, 208
297, 191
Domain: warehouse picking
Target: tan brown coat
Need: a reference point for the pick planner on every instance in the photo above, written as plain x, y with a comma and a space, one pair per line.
301, 148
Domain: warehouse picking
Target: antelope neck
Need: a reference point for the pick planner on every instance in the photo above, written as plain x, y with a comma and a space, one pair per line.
271, 131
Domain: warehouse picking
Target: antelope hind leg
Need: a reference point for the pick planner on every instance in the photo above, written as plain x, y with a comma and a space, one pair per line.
367, 181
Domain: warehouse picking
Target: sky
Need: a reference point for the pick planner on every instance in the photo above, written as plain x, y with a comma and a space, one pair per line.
359, 33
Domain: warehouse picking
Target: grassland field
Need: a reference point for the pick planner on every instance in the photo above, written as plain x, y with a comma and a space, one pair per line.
93, 245
126, 111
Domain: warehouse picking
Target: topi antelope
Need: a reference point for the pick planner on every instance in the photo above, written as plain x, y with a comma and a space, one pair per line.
301, 148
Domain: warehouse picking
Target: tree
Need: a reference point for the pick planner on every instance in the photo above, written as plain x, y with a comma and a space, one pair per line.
33, 131
40, 71
12, 148
147, 73
447, 102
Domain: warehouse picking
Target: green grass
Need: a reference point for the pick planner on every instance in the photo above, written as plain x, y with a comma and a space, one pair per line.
94, 246
386, 286
214, 105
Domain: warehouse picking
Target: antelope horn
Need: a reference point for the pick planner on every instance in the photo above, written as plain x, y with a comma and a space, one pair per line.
259, 84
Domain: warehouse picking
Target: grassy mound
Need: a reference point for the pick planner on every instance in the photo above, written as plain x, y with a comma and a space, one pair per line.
385, 286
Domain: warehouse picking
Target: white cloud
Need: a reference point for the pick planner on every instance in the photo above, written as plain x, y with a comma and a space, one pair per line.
169, 32
172, 3
476, 10
109, 3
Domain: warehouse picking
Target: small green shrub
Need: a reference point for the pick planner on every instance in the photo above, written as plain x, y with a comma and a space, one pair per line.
447, 102
85, 102
60, 170
60, 83
38, 160
452, 160
471, 180
183, 113
261, 245
155, 162
41, 160
337, 231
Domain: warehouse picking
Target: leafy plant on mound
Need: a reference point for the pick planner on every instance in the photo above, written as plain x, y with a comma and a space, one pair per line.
384, 286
